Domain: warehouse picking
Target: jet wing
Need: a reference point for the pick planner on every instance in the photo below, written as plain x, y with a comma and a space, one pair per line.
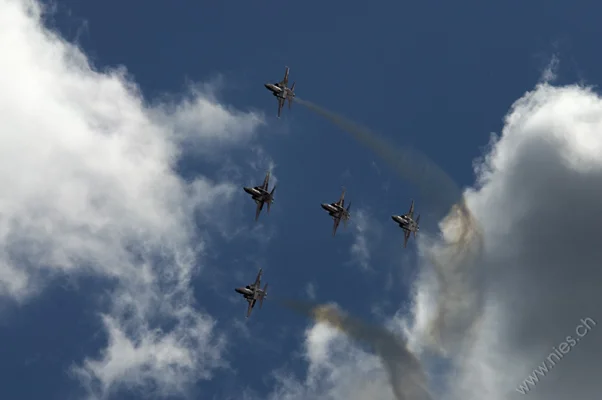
259, 208
411, 212
250, 308
280, 105
284, 81
341, 201
258, 279
406, 234
266, 181
337, 221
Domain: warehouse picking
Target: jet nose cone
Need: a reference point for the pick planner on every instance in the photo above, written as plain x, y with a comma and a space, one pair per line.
267, 86
394, 218
324, 206
239, 290
248, 190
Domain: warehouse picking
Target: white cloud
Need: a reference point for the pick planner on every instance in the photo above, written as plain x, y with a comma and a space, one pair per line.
310, 290
513, 276
199, 115
89, 187
537, 205
549, 73
365, 232
337, 370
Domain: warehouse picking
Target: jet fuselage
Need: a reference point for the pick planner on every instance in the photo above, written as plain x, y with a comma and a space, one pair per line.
279, 91
245, 291
405, 223
274, 88
249, 293
255, 191
332, 209
258, 194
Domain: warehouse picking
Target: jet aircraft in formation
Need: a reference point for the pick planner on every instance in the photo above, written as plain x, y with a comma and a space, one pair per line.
338, 212
282, 91
261, 195
407, 223
254, 292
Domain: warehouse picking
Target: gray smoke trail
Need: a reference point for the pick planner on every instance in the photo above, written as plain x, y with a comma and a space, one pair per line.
455, 261
405, 373
437, 188
454, 256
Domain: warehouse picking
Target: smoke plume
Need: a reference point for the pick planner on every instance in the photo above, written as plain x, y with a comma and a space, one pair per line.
454, 255
436, 187
408, 381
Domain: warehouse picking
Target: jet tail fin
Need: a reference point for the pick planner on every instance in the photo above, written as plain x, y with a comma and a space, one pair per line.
263, 295
293, 86
341, 201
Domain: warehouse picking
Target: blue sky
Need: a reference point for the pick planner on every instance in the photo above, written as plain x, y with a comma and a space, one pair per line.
437, 76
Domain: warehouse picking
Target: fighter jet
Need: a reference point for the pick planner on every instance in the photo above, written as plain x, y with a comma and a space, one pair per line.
261, 195
253, 292
407, 223
282, 91
338, 212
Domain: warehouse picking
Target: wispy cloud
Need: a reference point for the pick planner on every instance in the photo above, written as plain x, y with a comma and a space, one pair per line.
359, 249
549, 74
89, 187
310, 290
365, 233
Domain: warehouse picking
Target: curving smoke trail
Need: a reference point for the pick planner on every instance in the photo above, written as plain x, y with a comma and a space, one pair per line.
436, 187
408, 381
454, 277
453, 256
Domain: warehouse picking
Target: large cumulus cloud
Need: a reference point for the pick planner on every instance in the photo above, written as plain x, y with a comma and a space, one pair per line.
88, 186
538, 204
487, 313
